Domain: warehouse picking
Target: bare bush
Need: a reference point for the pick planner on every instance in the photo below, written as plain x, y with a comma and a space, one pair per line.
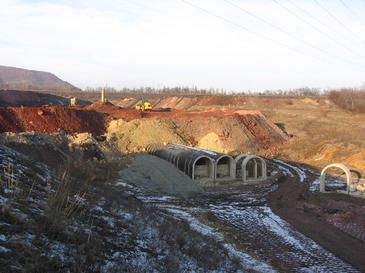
349, 99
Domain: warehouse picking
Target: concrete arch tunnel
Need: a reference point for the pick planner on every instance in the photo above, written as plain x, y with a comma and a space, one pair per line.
344, 168
251, 168
196, 165
224, 165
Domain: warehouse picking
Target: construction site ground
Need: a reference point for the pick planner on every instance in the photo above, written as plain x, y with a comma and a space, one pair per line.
282, 225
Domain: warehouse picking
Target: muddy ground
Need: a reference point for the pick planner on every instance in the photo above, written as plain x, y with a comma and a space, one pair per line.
146, 219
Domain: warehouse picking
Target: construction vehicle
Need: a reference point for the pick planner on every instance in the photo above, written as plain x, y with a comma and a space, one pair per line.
144, 106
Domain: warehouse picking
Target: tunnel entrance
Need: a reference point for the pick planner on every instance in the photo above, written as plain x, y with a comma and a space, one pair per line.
225, 168
203, 169
251, 168
340, 169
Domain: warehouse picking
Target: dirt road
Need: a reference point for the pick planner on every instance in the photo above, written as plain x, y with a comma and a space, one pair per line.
241, 219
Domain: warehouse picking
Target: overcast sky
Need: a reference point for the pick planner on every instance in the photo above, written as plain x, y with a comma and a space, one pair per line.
207, 43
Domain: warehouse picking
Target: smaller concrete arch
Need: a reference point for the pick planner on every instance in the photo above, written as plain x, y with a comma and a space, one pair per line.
251, 168
322, 185
225, 168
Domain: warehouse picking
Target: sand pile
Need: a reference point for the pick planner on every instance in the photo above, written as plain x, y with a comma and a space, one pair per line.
136, 135
155, 174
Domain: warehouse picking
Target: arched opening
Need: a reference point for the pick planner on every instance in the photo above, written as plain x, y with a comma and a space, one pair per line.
251, 168
341, 169
259, 169
225, 168
203, 169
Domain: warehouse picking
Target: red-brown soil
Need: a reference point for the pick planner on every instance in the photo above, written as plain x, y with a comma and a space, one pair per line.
96, 117
51, 119
332, 220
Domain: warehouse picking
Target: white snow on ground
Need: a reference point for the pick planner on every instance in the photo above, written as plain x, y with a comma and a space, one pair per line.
299, 171
57, 250
4, 249
330, 182
248, 262
275, 234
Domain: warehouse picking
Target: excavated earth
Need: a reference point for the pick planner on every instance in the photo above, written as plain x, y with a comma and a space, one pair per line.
224, 131
279, 226
51, 119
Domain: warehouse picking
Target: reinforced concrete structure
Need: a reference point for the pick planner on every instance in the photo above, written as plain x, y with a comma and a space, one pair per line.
344, 168
224, 165
251, 168
195, 164
207, 166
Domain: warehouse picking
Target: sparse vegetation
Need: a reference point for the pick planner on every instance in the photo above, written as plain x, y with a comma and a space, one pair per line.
349, 99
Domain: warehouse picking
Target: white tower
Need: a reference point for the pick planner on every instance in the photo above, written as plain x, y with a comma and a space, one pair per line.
103, 99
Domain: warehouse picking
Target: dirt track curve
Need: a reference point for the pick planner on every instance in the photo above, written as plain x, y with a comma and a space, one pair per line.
241, 219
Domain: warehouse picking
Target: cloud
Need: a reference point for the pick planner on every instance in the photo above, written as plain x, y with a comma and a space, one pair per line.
161, 42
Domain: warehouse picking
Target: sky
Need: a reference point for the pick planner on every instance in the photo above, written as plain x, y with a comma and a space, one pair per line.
237, 45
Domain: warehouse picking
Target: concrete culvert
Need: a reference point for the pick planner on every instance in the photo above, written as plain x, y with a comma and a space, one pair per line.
251, 168
193, 163
203, 169
340, 166
224, 165
225, 168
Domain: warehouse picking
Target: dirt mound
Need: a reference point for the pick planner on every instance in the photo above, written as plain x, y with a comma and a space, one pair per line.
156, 174
228, 132
266, 134
136, 135
212, 102
51, 119
26, 98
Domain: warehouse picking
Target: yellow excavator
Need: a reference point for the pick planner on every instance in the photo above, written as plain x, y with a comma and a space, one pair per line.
144, 106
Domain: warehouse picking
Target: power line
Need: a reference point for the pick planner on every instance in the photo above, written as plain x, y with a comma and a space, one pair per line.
284, 31
338, 21
352, 12
317, 29
240, 26
311, 16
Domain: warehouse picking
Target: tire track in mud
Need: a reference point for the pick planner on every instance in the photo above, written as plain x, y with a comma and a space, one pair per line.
269, 237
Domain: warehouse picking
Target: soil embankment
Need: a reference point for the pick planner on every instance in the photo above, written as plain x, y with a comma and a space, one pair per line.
51, 119
296, 205
227, 131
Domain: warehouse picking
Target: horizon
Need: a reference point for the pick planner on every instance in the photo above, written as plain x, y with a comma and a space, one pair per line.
228, 44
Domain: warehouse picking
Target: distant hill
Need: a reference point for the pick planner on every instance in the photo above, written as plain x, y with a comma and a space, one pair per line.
12, 78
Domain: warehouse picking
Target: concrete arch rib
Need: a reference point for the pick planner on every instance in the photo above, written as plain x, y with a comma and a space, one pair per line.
225, 168
202, 168
338, 166
259, 171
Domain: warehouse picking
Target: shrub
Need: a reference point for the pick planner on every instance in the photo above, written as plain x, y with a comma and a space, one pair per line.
349, 99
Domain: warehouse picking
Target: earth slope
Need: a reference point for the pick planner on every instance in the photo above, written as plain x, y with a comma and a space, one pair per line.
24, 79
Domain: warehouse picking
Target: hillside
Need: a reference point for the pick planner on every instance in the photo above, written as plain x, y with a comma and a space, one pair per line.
15, 98
24, 79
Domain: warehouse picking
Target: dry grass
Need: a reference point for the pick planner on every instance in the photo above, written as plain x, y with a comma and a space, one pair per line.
62, 205
349, 99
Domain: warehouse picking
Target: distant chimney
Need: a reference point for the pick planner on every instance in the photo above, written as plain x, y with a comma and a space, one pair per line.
103, 99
